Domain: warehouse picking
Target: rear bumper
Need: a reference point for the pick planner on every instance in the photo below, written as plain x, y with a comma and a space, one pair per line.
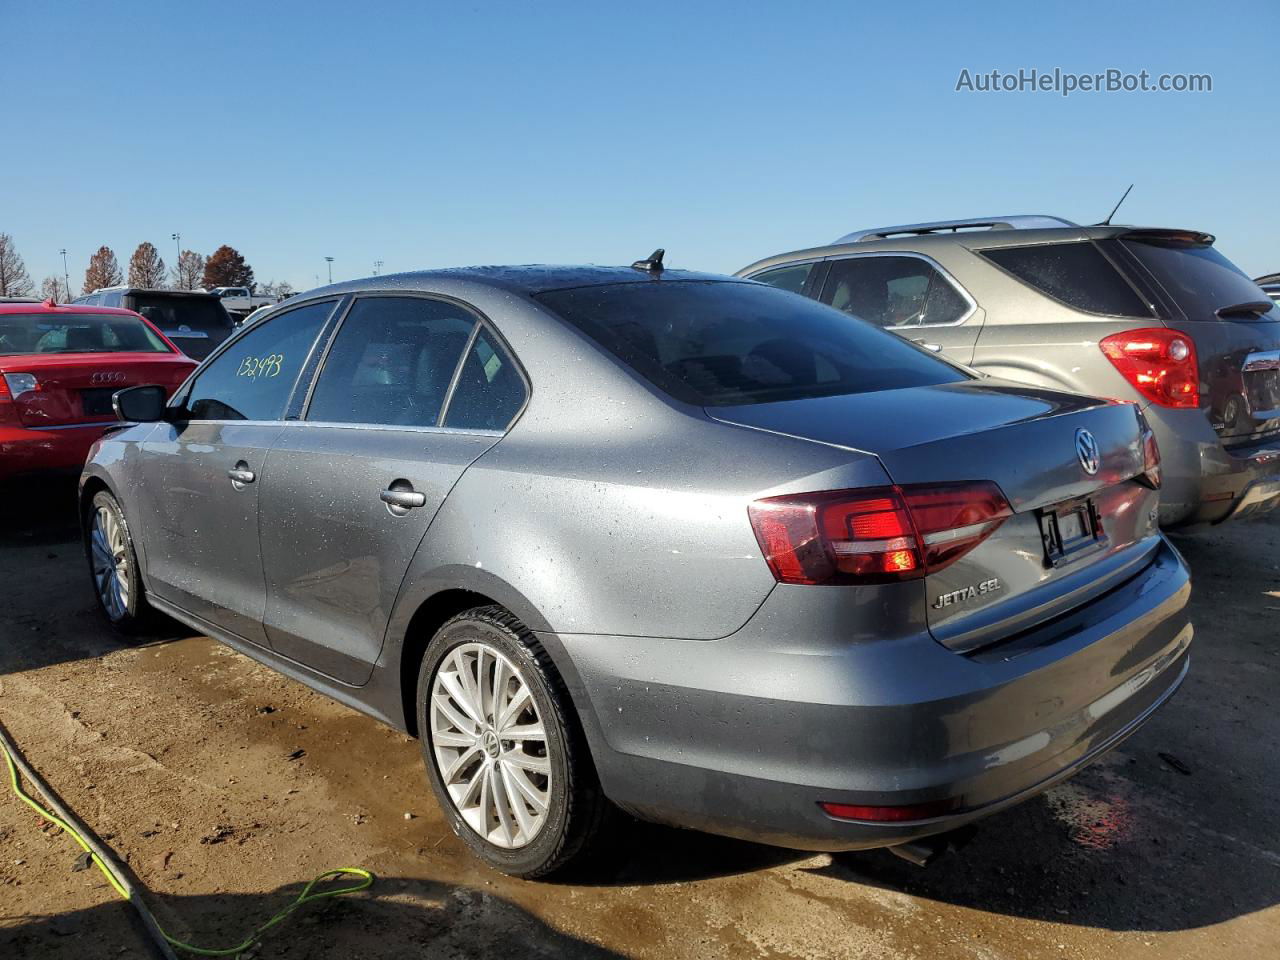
745, 736
25, 451
1203, 481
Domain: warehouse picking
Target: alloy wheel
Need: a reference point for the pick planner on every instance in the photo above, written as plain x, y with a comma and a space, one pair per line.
110, 562
490, 746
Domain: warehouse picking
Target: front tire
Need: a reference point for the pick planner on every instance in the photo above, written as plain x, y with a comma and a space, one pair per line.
113, 566
505, 756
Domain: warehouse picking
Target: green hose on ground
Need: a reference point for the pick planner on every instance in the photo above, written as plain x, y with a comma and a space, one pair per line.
101, 857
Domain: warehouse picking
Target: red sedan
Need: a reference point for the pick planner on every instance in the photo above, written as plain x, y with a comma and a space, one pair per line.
59, 366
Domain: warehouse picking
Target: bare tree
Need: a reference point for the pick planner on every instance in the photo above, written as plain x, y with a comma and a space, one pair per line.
55, 289
188, 271
14, 279
103, 271
146, 269
279, 290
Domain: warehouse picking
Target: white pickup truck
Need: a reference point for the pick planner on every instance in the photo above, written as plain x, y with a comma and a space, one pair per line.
241, 299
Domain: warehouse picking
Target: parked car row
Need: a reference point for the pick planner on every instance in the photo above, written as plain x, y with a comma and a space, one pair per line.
849, 551
193, 319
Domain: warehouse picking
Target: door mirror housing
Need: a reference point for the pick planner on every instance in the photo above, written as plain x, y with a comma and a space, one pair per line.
140, 404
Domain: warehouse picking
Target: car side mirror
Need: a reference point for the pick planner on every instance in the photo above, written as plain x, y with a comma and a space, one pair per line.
140, 404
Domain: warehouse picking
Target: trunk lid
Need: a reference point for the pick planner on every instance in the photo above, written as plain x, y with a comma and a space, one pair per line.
1072, 535
76, 388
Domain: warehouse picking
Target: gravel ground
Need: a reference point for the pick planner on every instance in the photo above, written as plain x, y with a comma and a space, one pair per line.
225, 787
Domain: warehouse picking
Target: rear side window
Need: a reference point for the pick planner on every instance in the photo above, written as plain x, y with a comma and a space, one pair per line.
490, 390
791, 278
894, 292
253, 378
391, 362
718, 343
1074, 273
1199, 278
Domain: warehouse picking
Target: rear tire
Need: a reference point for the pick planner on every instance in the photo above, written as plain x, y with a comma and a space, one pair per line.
113, 567
503, 749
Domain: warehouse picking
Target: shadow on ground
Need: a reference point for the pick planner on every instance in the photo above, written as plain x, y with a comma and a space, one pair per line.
398, 917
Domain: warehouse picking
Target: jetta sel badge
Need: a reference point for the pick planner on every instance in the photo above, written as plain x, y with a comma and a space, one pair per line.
967, 593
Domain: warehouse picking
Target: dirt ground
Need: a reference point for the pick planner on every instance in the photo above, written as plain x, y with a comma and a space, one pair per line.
226, 787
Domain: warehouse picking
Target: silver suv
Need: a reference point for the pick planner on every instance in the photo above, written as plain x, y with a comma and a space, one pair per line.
1153, 316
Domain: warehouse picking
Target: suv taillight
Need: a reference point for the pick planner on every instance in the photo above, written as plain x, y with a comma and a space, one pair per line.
877, 535
1159, 363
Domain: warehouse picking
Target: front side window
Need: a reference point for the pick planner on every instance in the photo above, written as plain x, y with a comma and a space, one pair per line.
392, 362
790, 277
490, 390
717, 343
1075, 273
253, 378
23, 333
893, 292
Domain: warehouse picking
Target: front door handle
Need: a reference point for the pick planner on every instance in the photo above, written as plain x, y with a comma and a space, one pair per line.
403, 499
241, 474
935, 347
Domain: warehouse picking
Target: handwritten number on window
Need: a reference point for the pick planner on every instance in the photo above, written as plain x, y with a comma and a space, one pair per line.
261, 367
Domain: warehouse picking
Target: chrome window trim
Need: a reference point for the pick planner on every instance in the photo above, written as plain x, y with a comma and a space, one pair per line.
340, 426
955, 285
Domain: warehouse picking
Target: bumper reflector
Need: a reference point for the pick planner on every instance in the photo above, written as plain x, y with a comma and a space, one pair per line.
914, 811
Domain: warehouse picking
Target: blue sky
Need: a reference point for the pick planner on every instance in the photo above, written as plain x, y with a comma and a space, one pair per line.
428, 134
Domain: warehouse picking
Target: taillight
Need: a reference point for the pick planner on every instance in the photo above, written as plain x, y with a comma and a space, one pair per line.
876, 535
1151, 474
1159, 363
12, 386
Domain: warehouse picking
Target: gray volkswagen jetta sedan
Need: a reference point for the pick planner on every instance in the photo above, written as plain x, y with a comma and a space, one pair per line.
693, 547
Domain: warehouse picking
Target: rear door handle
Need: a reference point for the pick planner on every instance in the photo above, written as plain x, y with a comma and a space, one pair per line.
404, 499
241, 474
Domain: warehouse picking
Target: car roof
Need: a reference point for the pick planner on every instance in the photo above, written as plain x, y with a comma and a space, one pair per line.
528, 279
997, 236
43, 306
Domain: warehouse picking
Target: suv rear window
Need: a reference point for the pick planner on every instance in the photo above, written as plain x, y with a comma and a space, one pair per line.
1075, 273
716, 343
204, 314
1198, 277
36, 333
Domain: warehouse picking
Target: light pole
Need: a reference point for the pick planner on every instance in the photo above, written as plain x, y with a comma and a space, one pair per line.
66, 274
177, 242
329, 261
377, 266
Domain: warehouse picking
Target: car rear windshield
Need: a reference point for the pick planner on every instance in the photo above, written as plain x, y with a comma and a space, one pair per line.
1076, 273
1199, 278
203, 314
716, 343
31, 333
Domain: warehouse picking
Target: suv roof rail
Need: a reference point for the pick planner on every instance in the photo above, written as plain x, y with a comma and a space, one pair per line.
1019, 222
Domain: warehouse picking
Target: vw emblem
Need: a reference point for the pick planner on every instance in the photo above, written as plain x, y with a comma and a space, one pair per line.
1088, 452
113, 377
